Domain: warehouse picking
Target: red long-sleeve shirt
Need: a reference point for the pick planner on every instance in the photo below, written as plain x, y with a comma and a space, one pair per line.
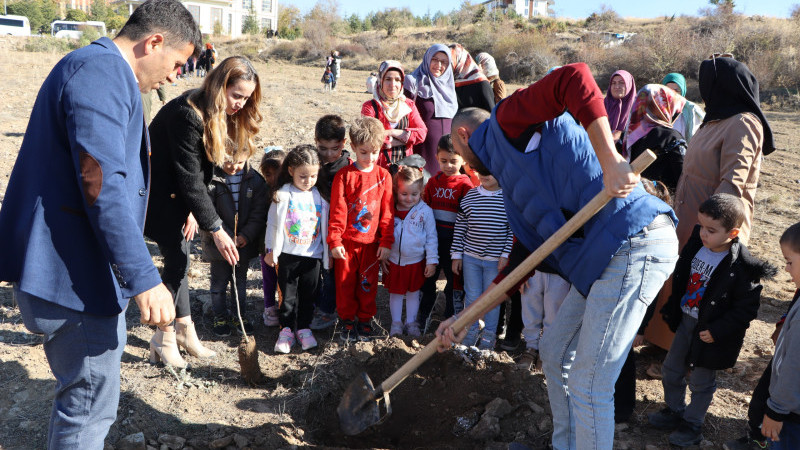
361, 207
571, 87
443, 194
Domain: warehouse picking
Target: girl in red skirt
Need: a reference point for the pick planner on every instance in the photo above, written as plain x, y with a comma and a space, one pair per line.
414, 254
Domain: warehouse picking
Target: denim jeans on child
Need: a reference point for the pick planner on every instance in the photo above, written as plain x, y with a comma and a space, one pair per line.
702, 382
789, 437
478, 275
584, 349
84, 353
543, 295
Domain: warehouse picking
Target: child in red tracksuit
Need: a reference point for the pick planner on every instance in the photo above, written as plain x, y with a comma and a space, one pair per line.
360, 229
443, 193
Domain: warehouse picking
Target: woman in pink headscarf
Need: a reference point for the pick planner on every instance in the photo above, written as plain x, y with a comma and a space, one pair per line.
652, 118
619, 99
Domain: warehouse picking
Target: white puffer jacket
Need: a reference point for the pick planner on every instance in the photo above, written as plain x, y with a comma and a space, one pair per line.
415, 237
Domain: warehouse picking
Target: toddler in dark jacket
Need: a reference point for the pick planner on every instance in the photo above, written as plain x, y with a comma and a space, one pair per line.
238, 193
716, 294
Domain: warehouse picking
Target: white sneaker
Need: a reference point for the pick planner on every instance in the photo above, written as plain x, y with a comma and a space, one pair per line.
285, 341
396, 329
412, 329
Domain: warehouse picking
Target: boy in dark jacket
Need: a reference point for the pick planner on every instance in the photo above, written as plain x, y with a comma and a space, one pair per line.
716, 293
237, 188
329, 135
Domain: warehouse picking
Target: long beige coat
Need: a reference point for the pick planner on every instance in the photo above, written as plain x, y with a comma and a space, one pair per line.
724, 156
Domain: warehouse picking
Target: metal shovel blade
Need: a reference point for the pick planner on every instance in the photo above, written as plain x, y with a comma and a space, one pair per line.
358, 409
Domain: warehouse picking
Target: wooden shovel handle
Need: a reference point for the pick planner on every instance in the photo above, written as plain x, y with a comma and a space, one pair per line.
492, 297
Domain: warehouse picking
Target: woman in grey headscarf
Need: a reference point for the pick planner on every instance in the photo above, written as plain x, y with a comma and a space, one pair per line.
489, 66
433, 90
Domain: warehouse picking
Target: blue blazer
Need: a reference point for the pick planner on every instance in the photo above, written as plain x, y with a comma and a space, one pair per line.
72, 218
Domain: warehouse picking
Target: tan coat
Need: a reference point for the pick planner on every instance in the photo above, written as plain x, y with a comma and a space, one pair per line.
724, 156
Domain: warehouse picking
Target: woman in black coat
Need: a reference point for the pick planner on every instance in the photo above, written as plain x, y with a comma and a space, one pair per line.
191, 135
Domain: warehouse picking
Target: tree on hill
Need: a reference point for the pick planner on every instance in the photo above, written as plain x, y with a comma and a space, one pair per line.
39, 13
390, 19
99, 11
77, 15
289, 20
250, 23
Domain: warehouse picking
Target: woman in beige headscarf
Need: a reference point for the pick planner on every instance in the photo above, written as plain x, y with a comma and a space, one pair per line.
489, 66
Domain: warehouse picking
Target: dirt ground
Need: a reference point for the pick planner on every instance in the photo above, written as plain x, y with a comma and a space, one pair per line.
211, 407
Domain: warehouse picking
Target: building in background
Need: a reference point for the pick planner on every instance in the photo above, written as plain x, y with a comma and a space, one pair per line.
230, 14
528, 9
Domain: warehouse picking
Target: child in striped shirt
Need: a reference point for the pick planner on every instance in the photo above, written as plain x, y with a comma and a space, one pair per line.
481, 244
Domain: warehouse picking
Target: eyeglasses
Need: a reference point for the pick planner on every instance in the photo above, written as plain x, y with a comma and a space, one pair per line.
440, 61
721, 55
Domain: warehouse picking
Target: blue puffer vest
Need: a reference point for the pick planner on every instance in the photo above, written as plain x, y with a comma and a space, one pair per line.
557, 178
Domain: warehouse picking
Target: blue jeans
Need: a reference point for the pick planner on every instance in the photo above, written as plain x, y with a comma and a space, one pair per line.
584, 350
789, 437
84, 353
478, 275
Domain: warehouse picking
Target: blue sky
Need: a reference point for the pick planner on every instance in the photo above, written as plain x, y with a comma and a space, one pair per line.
568, 8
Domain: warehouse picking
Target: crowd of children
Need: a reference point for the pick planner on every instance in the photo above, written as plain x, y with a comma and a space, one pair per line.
327, 221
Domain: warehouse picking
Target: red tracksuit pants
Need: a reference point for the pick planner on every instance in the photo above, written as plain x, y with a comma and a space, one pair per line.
357, 281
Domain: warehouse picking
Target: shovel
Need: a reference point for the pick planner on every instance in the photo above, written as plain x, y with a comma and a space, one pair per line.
248, 354
360, 405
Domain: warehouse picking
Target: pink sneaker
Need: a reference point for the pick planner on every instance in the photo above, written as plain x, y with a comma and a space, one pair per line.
285, 341
306, 338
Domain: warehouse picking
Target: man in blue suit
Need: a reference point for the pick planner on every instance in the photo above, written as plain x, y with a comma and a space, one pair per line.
74, 211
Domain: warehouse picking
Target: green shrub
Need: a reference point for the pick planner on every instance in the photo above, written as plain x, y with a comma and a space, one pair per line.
49, 44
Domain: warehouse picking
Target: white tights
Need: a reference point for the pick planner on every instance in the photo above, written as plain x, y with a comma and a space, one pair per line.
396, 306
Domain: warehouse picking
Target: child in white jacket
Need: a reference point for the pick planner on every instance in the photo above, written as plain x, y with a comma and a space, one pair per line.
414, 254
297, 227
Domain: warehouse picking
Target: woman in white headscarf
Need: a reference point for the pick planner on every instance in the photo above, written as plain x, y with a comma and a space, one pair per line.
433, 90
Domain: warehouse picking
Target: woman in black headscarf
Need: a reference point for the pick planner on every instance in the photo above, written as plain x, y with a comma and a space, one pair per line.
725, 153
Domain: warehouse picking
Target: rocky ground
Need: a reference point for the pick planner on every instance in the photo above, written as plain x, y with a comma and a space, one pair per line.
454, 400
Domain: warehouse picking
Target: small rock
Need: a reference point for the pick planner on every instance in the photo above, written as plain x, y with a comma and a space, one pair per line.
213, 427
27, 425
221, 442
536, 408
487, 428
108, 446
241, 441
362, 351
499, 408
465, 423
622, 426
172, 442
133, 441
498, 378
621, 445
163, 447
706, 444
472, 395
21, 396
544, 424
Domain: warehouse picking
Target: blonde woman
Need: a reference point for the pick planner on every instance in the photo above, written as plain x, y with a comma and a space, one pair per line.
191, 135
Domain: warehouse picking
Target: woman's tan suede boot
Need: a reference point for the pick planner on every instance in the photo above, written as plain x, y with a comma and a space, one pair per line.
187, 338
163, 347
